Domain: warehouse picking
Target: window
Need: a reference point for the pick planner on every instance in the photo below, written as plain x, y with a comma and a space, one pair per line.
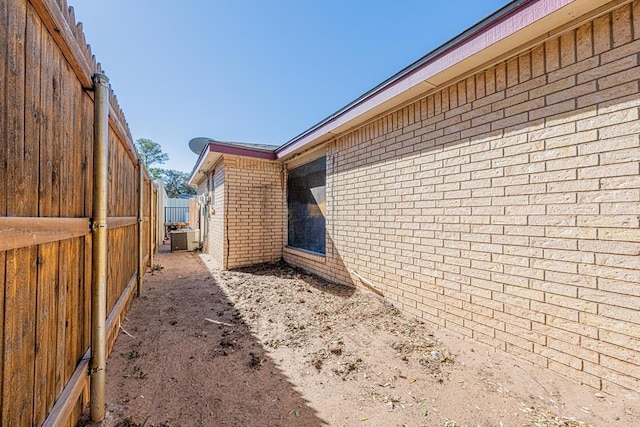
307, 207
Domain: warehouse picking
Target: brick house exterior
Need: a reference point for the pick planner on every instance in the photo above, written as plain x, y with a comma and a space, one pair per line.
492, 188
241, 204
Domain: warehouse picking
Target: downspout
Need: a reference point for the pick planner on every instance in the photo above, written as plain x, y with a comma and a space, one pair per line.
140, 226
99, 246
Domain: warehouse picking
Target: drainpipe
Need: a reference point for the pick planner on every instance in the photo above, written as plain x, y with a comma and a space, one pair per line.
99, 246
140, 226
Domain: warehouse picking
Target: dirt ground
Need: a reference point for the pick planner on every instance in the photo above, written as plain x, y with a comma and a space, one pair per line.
274, 346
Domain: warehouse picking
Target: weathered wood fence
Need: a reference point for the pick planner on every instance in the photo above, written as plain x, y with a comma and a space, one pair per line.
46, 182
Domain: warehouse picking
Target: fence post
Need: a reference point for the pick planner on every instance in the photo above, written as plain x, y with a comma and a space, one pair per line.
140, 226
99, 246
152, 221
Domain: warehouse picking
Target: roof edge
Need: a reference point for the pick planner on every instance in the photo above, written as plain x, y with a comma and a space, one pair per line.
235, 149
498, 26
239, 150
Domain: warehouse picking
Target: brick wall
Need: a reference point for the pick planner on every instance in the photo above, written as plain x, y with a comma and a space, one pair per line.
506, 206
329, 266
217, 238
254, 194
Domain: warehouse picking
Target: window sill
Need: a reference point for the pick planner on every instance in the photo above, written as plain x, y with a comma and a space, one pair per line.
312, 256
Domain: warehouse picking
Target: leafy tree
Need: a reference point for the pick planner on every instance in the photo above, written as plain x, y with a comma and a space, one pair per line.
151, 153
176, 183
156, 173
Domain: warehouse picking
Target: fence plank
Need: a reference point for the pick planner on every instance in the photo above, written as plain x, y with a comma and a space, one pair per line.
3, 257
45, 331
87, 291
70, 311
32, 113
87, 152
4, 35
19, 339
66, 172
14, 98
17, 372
4, 18
73, 131
30, 179
65, 258
17, 232
74, 162
57, 25
63, 408
47, 149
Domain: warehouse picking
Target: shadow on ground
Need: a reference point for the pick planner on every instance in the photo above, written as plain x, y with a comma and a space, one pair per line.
185, 357
284, 270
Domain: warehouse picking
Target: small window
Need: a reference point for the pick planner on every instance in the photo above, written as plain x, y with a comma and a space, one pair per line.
307, 206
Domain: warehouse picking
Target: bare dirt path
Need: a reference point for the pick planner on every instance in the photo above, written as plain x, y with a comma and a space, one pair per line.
274, 346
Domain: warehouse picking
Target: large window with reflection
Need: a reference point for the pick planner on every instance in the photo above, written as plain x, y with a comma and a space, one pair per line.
307, 206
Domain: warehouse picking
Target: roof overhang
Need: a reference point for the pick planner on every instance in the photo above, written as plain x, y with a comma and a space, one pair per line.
519, 24
215, 150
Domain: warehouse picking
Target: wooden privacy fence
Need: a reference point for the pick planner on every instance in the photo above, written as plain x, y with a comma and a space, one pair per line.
47, 235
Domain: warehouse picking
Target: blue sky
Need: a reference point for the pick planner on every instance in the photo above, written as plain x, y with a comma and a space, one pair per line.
256, 71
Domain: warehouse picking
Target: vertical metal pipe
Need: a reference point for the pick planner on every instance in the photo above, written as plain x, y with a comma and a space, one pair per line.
99, 246
140, 225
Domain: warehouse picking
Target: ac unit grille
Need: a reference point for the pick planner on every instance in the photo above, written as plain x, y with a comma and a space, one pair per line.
178, 242
185, 240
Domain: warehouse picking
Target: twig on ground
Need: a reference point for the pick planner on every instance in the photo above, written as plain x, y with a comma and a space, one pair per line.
532, 377
126, 332
217, 322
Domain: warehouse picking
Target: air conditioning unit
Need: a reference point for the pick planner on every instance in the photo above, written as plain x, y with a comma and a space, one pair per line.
185, 240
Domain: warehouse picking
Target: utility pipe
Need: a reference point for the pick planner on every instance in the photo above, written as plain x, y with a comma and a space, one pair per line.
140, 225
99, 246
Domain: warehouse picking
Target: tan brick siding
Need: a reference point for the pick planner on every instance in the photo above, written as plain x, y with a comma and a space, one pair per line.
217, 238
250, 230
255, 210
506, 207
213, 231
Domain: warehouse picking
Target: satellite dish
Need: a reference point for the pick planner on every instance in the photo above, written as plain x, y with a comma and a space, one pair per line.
197, 144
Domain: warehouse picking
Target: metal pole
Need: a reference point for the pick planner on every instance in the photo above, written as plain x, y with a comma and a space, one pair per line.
99, 246
140, 226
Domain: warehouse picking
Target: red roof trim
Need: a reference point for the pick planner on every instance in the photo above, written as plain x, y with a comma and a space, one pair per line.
524, 15
241, 151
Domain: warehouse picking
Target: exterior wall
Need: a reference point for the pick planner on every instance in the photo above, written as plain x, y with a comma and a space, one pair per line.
328, 266
216, 234
200, 220
505, 207
194, 213
212, 218
254, 197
